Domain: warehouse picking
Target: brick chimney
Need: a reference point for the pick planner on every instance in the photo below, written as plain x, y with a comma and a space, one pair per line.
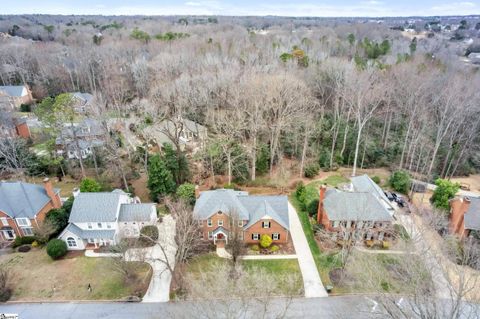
56, 202
459, 207
321, 198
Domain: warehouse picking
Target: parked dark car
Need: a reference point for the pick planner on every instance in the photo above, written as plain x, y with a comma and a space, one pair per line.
389, 196
400, 201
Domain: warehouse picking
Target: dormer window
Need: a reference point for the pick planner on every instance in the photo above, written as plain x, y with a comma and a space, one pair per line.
265, 224
219, 213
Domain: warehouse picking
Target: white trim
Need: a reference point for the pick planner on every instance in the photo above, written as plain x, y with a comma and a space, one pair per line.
4, 221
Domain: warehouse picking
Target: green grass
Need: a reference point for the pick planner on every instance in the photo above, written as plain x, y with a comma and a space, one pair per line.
333, 181
401, 231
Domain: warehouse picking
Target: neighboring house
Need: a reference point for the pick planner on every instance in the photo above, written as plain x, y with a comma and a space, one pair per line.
82, 101
353, 215
11, 97
254, 215
365, 184
99, 219
190, 133
24, 206
89, 133
464, 215
474, 57
12, 126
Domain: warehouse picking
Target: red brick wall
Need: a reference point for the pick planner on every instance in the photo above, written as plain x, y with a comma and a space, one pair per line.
23, 130
274, 228
458, 208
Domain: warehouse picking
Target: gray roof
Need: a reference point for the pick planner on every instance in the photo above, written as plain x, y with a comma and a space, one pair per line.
248, 207
354, 206
13, 90
95, 207
365, 184
18, 199
83, 97
472, 216
135, 212
90, 233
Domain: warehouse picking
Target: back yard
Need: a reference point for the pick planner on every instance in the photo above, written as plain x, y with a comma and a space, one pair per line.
35, 277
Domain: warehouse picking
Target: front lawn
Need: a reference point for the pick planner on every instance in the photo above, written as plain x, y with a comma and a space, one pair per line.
36, 277
333, 181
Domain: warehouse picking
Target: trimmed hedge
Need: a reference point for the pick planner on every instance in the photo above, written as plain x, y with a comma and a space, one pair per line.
56, 248
20, 241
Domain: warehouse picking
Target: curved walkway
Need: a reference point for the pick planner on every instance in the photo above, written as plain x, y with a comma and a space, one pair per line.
312, 283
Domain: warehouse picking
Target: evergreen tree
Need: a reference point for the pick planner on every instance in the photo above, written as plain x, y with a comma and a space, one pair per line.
160, 179
176, 163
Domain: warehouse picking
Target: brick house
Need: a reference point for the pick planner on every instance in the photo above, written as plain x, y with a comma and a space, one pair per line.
353, 215
255, 215
464, 215
12, 96
23, 207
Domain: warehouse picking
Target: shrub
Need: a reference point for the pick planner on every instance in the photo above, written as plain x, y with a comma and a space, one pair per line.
5, 291
445, 191
312, 207
274, 248
299, 190
24, 248
25, 108
386, 244
89, 185
376, 179
35, 244
400, 181
385, 285
19, 241
149, 232
186, 192
265, 241
255, 247
369, 243
311, 170
56, 248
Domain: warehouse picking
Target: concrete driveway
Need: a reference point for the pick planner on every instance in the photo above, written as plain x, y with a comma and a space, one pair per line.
311, 279
159, 288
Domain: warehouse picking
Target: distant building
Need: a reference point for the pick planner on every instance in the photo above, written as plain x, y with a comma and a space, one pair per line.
89, 133
11, 96
82, 101
464, 215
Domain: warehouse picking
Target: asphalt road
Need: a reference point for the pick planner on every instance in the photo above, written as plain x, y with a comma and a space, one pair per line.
334, 307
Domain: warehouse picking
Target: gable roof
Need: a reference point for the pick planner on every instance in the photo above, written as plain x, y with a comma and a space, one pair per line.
14, 90
365, 184
135, 212
95, 207
248, 207
354, 206
18, 199
83, 97
89, 233
472, 216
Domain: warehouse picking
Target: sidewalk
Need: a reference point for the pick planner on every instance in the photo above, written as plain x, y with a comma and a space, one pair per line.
311, 279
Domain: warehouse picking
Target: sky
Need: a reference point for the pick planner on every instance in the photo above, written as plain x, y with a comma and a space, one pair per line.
317, 8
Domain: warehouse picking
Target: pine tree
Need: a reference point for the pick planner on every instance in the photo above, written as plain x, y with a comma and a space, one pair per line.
160, 179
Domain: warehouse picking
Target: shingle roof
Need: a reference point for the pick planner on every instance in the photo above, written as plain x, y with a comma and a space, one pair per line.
135, 212
13, 90
248, 207
83, 97
365, 184
18, 199
90, 233
472, 216
95, 207
355, 206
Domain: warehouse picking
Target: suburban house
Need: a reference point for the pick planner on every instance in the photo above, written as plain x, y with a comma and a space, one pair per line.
189, 133
365, 184
89, 133
99, 219
12, 96
12, 125
82, 101
464, 215
254, 215
353, 215
23, 207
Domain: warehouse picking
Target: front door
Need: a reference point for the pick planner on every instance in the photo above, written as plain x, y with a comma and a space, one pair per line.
9, 234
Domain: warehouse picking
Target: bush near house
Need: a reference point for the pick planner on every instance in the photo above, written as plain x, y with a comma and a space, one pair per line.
186, 192
5, 291
445, 191
20, 241
311, 170
265, 241
89, 185
56, 248
400, 181
376, 179
149, 234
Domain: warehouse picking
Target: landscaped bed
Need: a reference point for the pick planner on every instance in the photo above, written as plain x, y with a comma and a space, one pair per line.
34, 276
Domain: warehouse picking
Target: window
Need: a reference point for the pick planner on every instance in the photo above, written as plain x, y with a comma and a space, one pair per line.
99, 225
219, 213
335, 224
27, 231
210, 235
91, 240
109, 225
200, 223
240, 223
266, 224
220, 222
276, 236
71, 242
349, 224
23, 222
4, 221
135, 232
209, 222
255, 236
89, 225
